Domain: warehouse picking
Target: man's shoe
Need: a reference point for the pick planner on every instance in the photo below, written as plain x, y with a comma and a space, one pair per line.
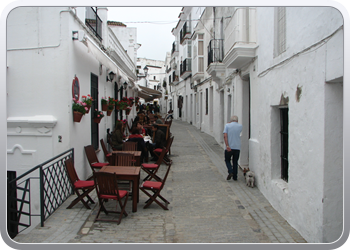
229, 176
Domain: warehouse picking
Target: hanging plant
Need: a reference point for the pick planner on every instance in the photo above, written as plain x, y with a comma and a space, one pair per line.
104, 103
98, 115
79, 109
88, 100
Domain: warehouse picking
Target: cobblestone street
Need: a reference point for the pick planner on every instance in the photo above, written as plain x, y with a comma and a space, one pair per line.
204, 207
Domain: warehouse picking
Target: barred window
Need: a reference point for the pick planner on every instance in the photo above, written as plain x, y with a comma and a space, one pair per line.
280, 30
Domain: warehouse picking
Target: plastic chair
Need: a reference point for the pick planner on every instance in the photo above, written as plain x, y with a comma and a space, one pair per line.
78, 185
107, 189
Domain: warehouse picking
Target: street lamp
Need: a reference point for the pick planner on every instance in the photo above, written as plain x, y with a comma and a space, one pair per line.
124, 86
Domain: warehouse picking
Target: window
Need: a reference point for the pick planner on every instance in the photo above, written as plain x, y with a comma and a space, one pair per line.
93, 21
94, 126
280, 30
284, 143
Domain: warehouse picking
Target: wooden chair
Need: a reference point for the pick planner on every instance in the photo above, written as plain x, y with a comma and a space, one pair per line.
107, 189
78, 185
124, 159
92, 158
129, 146
152, 168
106, 153
158, 151
156, 187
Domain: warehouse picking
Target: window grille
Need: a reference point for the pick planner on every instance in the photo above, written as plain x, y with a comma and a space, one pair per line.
94, 125
284, 143
280, 30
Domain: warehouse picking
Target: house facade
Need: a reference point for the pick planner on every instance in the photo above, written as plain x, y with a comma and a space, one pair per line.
55, 54
280, 69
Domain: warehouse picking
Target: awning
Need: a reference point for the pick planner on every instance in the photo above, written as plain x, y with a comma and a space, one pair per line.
104, 59
148, 94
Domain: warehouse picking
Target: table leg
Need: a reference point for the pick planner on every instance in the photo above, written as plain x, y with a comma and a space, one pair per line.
135, 192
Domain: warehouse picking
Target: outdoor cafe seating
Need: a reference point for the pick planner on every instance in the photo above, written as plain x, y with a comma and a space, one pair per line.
81, 188
107, 189
92, 158
153, 189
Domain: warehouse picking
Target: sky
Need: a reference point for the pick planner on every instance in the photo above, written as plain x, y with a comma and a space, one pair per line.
154, 26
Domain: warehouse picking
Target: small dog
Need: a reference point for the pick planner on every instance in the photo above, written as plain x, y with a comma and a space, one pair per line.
249, 177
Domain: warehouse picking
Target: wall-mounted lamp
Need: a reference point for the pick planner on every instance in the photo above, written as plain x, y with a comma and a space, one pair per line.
124, 86
111, 76
145, 69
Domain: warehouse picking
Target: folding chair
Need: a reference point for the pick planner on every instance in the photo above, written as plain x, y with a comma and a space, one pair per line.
158, 151
152, 168
78, 185
124, 159
129, 146
156, 187
106, 153
92, 158
107, 189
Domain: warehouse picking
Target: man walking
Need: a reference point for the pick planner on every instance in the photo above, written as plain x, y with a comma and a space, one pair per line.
232, 137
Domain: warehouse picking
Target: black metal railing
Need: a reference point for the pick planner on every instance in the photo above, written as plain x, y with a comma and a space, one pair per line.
174, 48
185, 66
94, 22
175, 77
215, 51
49, 180
185, 30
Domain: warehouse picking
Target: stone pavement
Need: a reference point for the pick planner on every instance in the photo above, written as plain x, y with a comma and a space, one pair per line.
204, 207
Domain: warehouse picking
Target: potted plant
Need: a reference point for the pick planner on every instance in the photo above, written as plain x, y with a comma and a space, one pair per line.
88, 100
110, 107
104, 103
79, 109
98, 115
131, 101
127, 110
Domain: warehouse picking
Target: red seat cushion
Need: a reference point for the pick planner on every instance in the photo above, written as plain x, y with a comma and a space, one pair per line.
149, 165
84, 184
99, 164
152, 184
159, 150
122, 193
110, 154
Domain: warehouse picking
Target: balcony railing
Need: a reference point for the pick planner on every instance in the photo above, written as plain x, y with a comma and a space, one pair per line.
185, 30
186, 66
175, 77
215, 51
174, 48
94, 22
53, 188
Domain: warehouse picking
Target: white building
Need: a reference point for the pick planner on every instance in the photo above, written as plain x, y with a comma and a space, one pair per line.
280, 69
49, 51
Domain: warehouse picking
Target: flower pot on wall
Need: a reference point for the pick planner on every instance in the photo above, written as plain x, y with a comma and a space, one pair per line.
97, 120
109, 112
77, 116
104, 107
127, 111
87, 111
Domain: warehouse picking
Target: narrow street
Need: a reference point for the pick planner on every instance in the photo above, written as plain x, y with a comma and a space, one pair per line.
204, 207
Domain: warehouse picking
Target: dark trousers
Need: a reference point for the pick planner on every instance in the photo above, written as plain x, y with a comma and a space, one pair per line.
232, 168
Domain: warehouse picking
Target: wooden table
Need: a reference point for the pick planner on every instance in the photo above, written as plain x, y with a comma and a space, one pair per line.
130, 174
137, 155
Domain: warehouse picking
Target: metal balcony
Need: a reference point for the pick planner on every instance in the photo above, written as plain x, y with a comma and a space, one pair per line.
186, 68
